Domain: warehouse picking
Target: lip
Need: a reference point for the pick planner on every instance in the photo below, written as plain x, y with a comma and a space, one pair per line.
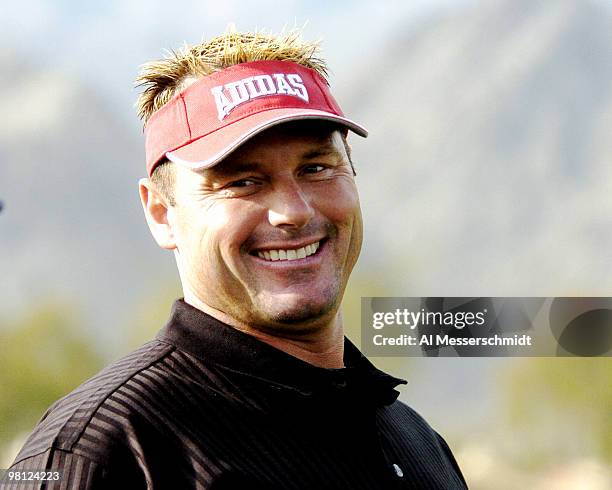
309, 261
288, 246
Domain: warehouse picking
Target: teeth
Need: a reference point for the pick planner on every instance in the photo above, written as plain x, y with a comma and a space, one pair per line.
289, 254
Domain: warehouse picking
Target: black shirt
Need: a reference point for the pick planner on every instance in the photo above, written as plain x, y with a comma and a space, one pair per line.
206, 406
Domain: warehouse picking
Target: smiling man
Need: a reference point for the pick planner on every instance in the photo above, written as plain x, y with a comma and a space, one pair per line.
276, 228
251, 383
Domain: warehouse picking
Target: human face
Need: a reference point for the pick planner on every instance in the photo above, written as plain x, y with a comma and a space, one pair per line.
288, 191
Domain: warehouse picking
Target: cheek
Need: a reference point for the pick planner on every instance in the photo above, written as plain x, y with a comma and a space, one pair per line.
215, 234
356, 237
344, 211
343, 208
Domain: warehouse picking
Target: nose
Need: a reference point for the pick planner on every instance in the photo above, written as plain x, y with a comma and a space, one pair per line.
290, 206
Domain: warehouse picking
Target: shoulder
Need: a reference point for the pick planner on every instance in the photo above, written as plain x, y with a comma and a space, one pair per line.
74, 417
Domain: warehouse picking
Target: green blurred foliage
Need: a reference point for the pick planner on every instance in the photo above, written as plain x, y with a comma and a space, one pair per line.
150, 315
43, 356
560, 408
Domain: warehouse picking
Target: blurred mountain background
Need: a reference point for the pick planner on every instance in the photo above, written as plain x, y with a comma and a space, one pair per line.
487, 173
491, 150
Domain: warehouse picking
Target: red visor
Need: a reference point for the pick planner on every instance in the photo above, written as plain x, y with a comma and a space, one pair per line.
215, 115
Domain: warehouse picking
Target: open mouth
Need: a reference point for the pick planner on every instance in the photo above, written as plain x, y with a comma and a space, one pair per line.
289, 254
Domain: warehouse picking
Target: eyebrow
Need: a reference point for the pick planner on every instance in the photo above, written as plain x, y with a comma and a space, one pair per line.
321, 152
230, 166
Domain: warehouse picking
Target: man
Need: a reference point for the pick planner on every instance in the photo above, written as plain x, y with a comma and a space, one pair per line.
251, 383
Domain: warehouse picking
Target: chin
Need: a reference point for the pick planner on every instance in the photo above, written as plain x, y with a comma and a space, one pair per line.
300, 311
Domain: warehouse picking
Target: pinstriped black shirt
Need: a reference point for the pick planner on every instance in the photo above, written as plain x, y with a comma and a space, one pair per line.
206, 406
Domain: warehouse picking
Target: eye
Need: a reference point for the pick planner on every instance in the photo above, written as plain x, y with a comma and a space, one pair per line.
313, 169
242, 183
242, 187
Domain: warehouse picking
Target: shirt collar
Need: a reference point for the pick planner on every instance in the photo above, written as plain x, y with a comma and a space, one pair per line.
207, 338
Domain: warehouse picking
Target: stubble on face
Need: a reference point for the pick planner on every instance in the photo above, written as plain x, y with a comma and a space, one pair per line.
292, 313
225, 273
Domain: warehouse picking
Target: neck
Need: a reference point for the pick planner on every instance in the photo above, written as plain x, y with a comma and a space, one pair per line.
324, 347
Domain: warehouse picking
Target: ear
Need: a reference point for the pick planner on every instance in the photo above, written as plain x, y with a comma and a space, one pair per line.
156, 210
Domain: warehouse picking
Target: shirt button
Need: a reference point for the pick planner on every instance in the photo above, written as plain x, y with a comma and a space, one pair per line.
398, 471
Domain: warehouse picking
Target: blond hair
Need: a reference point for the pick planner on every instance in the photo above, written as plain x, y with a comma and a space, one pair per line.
163, 79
